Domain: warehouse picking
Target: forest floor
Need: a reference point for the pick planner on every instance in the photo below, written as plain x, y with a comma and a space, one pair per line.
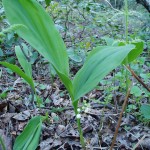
99, 121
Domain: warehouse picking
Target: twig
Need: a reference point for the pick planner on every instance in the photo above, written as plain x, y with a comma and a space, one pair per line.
139, 142
135, 137
112, 6
66, 21
120, 118
135, 76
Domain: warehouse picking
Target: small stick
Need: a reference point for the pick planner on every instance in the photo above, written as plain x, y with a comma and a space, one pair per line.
135, 76
120, 117
139, 142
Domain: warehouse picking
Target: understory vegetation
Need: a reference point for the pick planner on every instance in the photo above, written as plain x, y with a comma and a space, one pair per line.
74, 75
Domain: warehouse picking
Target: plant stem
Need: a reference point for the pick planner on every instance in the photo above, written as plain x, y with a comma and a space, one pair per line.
81, 134
136, 77
126, 37
75, 106
32, 98
126, 19
128, 88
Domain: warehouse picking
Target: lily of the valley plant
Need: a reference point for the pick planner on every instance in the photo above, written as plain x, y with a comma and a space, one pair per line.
40, 32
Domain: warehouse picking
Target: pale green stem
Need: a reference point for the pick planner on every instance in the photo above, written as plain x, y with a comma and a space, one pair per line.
126, 37
81, 134
126, 19
75, 105
32, 98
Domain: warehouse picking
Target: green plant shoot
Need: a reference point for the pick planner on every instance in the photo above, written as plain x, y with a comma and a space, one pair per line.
41, 33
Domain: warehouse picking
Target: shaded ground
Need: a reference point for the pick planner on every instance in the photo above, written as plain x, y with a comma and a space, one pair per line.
98, 121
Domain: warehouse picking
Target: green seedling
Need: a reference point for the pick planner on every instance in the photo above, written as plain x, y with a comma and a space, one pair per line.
26, 65
29, 139
41, 33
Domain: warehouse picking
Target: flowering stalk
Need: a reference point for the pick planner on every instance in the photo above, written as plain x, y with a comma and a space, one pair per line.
78, 116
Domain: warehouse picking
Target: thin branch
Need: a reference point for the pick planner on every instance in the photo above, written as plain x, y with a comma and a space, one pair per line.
139, 142
120, 118
112, 6
135, 76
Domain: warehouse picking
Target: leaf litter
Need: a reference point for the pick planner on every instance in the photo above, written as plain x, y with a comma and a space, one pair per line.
98, 121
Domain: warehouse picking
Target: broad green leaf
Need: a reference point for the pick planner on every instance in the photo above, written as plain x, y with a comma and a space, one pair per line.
136, 91
26, 50
139, 45
52, 70
109, 41
17, 70
73, 55
145, 110
98, 64
40, 31
29, 138
67, 82
23, 61
35, 139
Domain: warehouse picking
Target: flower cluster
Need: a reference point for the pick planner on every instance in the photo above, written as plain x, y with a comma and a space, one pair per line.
86, 107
